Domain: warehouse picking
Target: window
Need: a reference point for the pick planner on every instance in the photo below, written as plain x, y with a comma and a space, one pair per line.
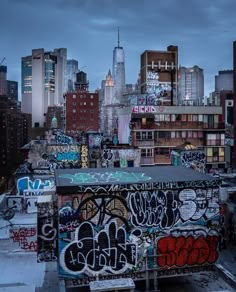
195, 118
184, 118
215, 139
173, 118
74, 110
195, 134
74, 102
91, 96
85, 103
116, 163
144, 121
74, 96
91, 103
130, 163
147, 152
144, 135
215, 154
184, 135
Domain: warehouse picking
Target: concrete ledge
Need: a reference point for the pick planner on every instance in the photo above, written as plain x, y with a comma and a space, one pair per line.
126, 284
17, 288
231, 279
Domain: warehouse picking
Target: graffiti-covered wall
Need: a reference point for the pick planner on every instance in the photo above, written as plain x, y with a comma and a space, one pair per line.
122, 157
108, 227
195, 159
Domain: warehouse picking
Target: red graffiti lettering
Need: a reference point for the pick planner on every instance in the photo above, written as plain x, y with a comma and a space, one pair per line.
181, 251
30, 246
22, 236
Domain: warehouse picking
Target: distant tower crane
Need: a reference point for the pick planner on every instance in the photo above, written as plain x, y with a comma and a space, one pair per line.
2, 61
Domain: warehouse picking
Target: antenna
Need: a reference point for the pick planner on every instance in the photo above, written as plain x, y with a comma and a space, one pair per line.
2, 61
118, 37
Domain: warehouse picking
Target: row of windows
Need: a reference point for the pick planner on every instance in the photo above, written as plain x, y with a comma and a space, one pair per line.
83, 111
83, 96
187, 118
212, 139
83, 103
83, 118
213, 154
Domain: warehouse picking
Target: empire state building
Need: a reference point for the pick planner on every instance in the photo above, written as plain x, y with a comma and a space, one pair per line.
118, 71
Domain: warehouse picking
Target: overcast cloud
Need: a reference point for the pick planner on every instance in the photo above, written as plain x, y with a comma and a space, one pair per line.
203, 30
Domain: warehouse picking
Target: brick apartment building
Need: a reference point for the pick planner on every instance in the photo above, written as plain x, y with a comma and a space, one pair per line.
14, 133
82, 111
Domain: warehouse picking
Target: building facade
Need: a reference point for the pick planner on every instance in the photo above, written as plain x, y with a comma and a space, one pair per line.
82, 111
108, 106
224, 80
43, 82
158, 75
3, 80
234, 94
12, 90
118, 71
158, 130
190, 85
72, 70
14, 133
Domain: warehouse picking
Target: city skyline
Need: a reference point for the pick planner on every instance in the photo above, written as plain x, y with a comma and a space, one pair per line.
203, 32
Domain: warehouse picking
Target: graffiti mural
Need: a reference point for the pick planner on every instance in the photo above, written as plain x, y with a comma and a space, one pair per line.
95, 251
63, 156
84, 156
119, 222
32, 186
47, 232
123, 156
194, 159
95, 140
186, 251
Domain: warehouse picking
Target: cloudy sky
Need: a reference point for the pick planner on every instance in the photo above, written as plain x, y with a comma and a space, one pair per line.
203, 30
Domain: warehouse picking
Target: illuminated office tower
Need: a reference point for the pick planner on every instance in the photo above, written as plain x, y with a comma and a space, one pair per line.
43, 76
191, 85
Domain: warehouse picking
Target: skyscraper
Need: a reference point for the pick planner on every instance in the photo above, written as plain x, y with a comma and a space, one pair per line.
43, 82
118, 71
72, 70
190, 85
12, 90
224, 80
3, 80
